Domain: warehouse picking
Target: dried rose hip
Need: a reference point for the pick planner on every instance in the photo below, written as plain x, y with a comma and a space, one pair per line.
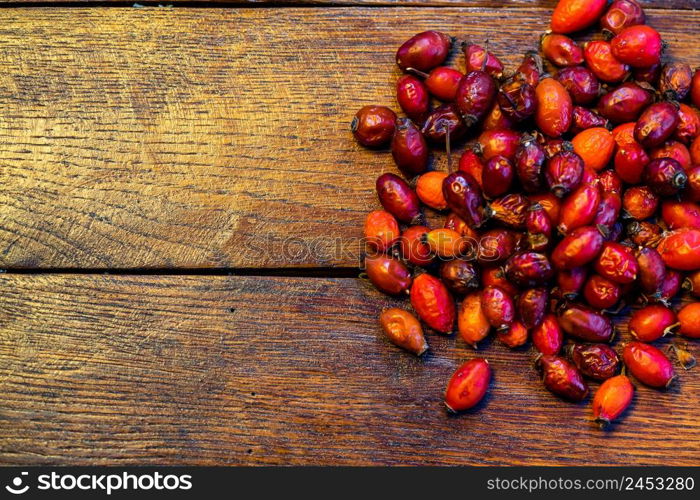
611, 399
424, 51
578, 248
398, 198
472, 163
583, 119
433, 303
563, 172
468, 385
529, 161
496, 245
608, 212
571, 281
596, 361
675, 80
459, 276
664, 176
605, 66
550, 203
517, 100
443, 124
585, 324
601, 293
475, 96
429, 189
477, 58
625, 103
622, 14
510, 210
648, 364
581, 83
413, 246
381, 230
532, 306
651, 270
472, 323
640, 202
529, 269
404, 330
645, 234
652, 322
498, 307
463, 196
689, 319
574, 15
547, 337
387, 274
530, 69
561, 50
688, 124
496, 276
554, 107
617, 263
680, 249
373, 126
409, 149
412, 96
639, 46
656, 124
539, 228
562, 378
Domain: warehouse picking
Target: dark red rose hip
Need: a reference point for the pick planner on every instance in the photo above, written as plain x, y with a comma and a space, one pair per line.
443, 122
475, 96
656, 124
529, 269
463, 196
424, 51
532, 306
398, 198
586, 324
581, 83
409, 149
562, 378
412, 96
373, 126
596, 361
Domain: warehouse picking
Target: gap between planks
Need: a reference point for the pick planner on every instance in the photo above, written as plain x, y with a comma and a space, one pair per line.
282, 272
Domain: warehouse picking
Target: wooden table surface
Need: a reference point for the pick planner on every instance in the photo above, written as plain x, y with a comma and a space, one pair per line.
180, 208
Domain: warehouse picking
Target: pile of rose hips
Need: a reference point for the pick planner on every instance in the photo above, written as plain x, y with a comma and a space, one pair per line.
579, 196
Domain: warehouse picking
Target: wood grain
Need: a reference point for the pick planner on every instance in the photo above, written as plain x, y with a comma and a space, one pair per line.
199, 138
245, 370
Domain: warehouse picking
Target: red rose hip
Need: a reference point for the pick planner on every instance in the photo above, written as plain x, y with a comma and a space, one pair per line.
562, 378
373, 126
611, 399
639, 46
547, 337
468, 385
652, 322
412, 96
648, 364
433, 303
424, 51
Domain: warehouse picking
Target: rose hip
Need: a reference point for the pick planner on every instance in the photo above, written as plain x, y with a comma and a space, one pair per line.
468, 385
656, 124
463, 196
529, 161
610, 182
554, 146
389, 275
605, 66
563, 172
498, 176
373, 126
472, 323
495, 246
442, 82
586, 324
583, 118
622, 14
398, 198
595, 146
412, 96
630, 161
571, 281
644, 233
554, 107
459, 276
404, 330
472, 163
498, 142
510, 210
443, 122
539, 228
651, 270
601, 293
446, 243
581, 83
495, 276
409, 149
674, 150
496, 119
574, 15
515, 336
695, 88
429, 189
433, 303
688, 124
562, 378
529, 269
550, 203
692, 283
652, 322
639, 46
477, 58
424, 51
517, 100
530, 69
678, 214
413, 246
579, 208
611, 399
625, 103
640, 202
624, 134
596, 361
498, 307
675, 80
680, 249
561, 50
648, 364
547, 337
578, 248
608, 211
381, 230
475, 96
664, 176
617, 263
532, 306
689, 319
670, 287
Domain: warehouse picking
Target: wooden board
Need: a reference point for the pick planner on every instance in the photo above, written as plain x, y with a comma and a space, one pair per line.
200, 138
247, 370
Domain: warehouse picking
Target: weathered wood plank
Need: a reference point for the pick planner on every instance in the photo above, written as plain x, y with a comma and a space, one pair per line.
195, 138
245, 370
